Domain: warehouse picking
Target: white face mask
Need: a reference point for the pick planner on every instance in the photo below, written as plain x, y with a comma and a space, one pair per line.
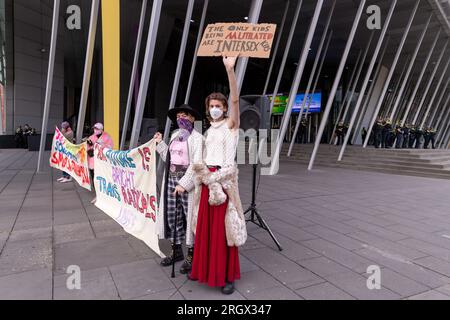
215, 113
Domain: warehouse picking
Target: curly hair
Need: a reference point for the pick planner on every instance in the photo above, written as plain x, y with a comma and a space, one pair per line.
216, 96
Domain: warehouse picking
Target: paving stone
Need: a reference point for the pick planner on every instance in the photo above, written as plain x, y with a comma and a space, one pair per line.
26, 255
435, 264
281, 268
28, 285
274, 293
406, 268
444, 289
171, 294
335, 237
256, 281
392, 247
400, 284
139, 278
379, 231
73, 232
192, 290
93, 254
30, 234
323, 266
291, 249
107, 228
96, 284
430, 295
338, 254
324, 291
427, 248
356, 286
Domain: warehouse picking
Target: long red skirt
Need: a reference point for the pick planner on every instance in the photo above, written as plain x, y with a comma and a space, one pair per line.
214, 263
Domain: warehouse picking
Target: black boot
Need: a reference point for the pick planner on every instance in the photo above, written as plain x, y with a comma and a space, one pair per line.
228, 288
187, 264
177, 255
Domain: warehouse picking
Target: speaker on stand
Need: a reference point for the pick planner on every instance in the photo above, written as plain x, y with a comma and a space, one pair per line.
255, 114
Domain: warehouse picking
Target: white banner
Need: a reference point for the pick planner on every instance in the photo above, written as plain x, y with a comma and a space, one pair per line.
125, 184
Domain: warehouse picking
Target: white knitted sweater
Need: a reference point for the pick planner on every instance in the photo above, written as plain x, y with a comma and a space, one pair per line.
220, 145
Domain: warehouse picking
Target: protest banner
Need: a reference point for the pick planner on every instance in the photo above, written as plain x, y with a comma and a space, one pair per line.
125, 184
232, 39
70, 158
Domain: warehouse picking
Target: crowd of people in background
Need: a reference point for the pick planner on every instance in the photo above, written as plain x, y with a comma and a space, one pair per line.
406, 136
21, 134
385, 135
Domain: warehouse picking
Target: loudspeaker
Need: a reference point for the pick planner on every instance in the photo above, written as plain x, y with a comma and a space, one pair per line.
255, 112
148, 129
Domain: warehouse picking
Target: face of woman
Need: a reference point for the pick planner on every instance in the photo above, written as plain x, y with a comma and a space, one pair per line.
216, 104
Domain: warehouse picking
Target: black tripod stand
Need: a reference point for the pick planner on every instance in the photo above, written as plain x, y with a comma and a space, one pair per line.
254, 211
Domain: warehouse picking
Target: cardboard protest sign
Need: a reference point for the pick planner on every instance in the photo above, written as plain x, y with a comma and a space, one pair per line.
125, 184
231, 39
70, 158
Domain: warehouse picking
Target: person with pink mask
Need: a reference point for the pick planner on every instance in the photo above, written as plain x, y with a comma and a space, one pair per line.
103, 139
176, 206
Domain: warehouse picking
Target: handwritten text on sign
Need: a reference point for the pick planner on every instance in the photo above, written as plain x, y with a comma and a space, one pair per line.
232, 39
71, 158
125, 183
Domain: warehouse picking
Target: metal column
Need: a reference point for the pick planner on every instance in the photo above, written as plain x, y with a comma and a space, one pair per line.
241, 64
369, 92
419, 80
358, 74
146, 69
87, 69
444, 89
49, 85
311, 77
275, 50
433, 97
391, 72
133, 74
176, 81
330, 36
444, 119
397, 86
350, 86
336, 83
295, 84
433, 74
411, 64
197, 44
366, 80
286, 52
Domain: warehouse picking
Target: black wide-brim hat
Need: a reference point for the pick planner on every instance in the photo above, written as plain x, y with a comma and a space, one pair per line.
172, 114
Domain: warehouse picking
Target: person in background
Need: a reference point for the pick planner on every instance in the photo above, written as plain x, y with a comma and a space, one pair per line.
399, 135
18, 137
177, 197
103, 139
67, 132
363, 134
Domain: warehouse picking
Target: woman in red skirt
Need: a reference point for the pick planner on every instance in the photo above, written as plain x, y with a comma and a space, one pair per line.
220, 224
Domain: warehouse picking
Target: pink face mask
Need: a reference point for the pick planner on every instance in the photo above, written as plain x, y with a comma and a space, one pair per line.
97, 132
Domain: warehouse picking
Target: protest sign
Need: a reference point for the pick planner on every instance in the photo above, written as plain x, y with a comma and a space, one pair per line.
125, 184
232, 39
70, 158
